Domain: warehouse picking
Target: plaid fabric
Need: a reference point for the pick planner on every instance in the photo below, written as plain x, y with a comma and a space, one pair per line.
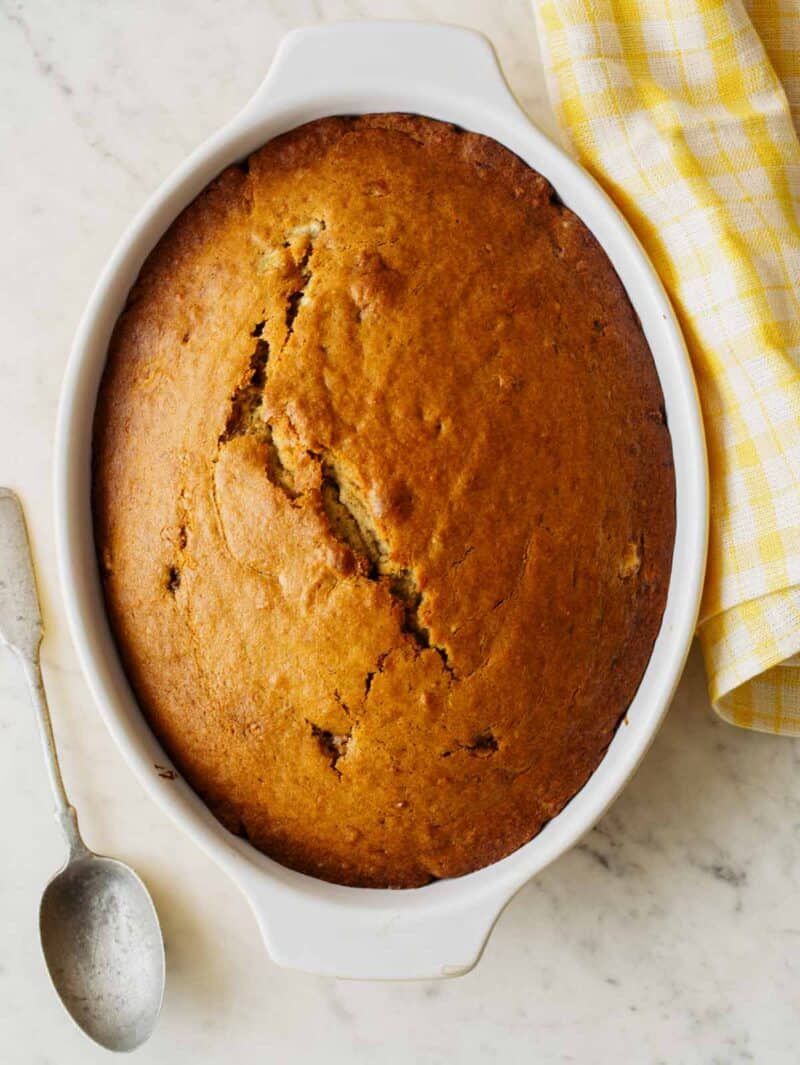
685, 111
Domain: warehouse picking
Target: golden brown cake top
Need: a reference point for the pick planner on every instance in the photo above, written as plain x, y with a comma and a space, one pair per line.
383, 499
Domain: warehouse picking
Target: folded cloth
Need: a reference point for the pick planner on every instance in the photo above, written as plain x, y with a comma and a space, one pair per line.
685, 111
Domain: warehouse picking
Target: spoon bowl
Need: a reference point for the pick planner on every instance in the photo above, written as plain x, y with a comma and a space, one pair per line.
103, 948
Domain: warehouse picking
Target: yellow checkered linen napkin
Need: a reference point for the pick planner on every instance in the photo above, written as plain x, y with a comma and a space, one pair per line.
679, 108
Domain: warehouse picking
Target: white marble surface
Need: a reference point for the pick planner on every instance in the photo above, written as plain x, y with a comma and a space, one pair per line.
672, 934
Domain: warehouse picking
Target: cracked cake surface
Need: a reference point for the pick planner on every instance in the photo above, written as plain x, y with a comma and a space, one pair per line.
383, 499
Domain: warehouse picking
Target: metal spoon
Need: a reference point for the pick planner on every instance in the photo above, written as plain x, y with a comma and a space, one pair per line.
100, 933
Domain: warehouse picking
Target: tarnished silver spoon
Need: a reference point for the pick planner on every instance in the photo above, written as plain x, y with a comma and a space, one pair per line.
100, 933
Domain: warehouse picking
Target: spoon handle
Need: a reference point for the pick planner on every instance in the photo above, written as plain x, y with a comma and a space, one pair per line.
21, 629
65, 811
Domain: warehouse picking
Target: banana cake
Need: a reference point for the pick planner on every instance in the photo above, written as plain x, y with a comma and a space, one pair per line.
383, 498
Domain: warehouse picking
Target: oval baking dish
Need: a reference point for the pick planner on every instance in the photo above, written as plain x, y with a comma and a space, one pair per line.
449, 74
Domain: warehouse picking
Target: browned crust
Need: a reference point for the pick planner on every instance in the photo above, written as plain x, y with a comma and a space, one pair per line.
383, 499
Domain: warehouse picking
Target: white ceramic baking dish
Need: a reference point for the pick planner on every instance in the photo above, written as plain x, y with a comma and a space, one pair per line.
451, 74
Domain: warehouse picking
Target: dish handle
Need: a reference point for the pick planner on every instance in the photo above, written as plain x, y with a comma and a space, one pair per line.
352, 67
365, 934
